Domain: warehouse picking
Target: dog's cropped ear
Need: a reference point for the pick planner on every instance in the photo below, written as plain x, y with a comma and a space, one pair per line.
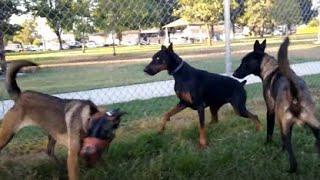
256, 46
163, 47
170, 47
263, 45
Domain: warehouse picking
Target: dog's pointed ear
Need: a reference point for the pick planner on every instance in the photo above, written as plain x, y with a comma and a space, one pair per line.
263, 45
163, 47
256, 46
170, 47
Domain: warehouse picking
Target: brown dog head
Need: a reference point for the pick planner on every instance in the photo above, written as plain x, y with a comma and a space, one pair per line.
100, 134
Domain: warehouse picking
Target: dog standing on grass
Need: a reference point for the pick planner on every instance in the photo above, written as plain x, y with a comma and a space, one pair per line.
287, 97
77, 124
199, 89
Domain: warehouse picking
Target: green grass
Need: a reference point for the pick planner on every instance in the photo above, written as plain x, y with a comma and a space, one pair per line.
132, 52
235, 150
85, 77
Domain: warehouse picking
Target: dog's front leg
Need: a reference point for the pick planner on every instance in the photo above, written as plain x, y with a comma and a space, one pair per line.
202, 133
178, 108
73, 150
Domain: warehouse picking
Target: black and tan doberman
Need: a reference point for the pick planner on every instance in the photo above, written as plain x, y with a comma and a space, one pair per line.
199, 89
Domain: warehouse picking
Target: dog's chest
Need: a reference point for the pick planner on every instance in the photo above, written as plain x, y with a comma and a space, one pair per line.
185, 96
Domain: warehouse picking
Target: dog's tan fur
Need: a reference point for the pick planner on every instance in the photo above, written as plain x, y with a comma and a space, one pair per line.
289, 100
65, 121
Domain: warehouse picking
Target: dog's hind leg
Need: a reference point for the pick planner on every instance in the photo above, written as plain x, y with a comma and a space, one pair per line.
50, 149
8, 127
214, 114
286, 131
314, 125
270, 125
178, 108
239, 105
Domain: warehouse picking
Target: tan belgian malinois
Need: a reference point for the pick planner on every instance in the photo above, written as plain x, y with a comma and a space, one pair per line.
67, 122
287, 97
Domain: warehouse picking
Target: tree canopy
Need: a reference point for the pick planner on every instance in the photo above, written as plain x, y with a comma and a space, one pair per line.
59, 14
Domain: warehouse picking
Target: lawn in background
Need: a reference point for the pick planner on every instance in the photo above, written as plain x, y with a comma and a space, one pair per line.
235, 150
134, 52
85, 77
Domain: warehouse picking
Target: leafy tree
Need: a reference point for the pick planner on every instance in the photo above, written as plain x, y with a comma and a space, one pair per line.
258, 16
286, 12
7, 9
28, 34
83, 24
59, 14
208, 11
164, 10
120, 15
236, 11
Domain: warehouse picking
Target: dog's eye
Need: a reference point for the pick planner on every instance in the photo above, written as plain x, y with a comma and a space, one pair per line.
158, 58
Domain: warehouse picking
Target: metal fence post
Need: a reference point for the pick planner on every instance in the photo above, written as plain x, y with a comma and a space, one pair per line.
318, 18
228, 62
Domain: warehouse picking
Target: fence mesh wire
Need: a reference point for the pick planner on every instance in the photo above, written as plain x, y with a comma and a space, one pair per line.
97, 49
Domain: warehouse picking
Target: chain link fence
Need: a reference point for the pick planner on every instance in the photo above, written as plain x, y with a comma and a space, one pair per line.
97, 49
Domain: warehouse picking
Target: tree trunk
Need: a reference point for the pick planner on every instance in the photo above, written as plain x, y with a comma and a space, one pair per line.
288, 29
83, 43
3, 63
209, 34
212, 31
113, 45
233, 28
59, 39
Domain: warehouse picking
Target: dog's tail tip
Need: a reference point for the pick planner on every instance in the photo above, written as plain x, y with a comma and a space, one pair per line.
283, 56
10, 82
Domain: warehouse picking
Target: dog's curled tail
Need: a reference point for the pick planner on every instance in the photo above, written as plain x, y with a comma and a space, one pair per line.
10, 82
284, 68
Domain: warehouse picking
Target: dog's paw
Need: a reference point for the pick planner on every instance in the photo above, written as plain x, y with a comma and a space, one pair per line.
258, 127
160, 131
203, 145
292, 170
268, 141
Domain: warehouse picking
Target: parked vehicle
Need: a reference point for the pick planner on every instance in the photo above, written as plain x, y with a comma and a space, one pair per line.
32, 48
109, 42
13, 47
74, 44
91, 44
56, 46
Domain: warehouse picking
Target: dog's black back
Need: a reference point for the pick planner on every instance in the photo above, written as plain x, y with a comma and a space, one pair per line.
204, 87
208, 89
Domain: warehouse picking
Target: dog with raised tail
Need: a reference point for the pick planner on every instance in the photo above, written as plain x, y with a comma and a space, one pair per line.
287, 97
79, 125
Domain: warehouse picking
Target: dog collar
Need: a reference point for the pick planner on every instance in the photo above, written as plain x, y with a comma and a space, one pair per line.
177, 69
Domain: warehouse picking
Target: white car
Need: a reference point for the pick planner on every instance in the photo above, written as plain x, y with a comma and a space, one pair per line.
91, 44
56, 46
32, 48
14, 47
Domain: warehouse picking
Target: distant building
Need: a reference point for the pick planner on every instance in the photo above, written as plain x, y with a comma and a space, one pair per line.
182, 31
143, 36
